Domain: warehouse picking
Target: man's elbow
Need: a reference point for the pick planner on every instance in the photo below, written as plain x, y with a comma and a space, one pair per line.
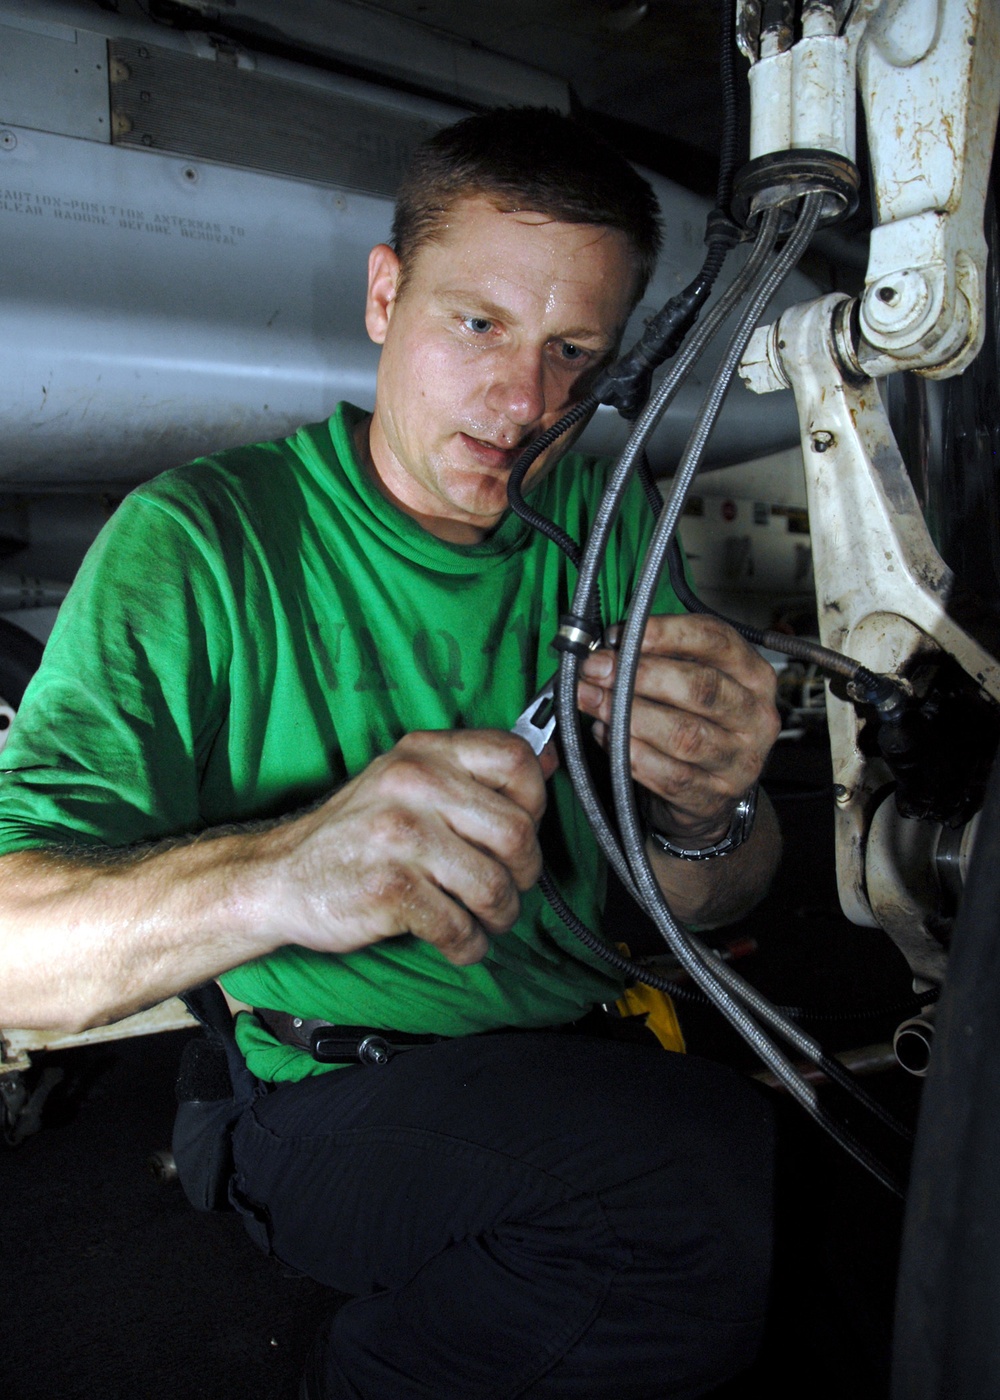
39, 990
32, 1000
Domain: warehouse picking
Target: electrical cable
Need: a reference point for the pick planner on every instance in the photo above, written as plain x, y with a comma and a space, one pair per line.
910, 1005
728, 146
697, 960
904, 1006
521, 467
625, 384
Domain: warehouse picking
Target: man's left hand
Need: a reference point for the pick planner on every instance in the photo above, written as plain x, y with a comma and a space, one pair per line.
703, 720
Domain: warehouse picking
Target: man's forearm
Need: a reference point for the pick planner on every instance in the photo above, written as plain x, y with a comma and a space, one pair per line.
719, 891
438, 839
88, 940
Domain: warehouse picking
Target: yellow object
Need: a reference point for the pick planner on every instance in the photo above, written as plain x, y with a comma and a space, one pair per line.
657, 1008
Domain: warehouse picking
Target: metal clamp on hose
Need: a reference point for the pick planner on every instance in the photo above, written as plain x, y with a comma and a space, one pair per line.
575, 634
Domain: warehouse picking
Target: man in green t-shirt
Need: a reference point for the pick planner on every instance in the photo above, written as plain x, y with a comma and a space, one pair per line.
270, 744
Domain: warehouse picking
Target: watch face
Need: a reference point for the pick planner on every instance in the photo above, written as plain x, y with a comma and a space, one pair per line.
739, 829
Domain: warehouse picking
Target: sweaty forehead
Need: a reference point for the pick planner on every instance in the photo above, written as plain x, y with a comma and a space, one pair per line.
472, 219
530, 250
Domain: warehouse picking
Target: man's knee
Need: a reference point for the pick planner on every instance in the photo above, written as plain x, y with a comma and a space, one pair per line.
702, 1224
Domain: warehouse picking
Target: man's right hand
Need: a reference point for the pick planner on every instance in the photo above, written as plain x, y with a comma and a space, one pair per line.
436, 838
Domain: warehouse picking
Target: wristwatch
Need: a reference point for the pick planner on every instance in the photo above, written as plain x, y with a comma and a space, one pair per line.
739, 829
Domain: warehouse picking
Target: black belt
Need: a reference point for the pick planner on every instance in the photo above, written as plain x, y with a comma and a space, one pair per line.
338, 1045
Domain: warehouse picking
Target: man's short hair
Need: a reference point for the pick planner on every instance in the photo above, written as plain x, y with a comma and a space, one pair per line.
526, 158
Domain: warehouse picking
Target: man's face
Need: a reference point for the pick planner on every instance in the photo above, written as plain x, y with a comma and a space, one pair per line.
500, 327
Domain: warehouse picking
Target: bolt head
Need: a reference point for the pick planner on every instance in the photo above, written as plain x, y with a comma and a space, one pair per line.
373, 1051
896, 303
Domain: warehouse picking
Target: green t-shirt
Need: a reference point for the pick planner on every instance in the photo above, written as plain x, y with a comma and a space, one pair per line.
252, 629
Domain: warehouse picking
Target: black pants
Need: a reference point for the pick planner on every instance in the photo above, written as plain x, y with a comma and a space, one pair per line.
525, 1214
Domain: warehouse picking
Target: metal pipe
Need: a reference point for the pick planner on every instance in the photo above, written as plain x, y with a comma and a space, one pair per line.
913, 1042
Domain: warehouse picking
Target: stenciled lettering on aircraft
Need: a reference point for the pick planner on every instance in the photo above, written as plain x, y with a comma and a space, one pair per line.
119, 216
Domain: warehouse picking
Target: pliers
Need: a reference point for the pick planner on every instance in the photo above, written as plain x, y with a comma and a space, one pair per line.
537, 721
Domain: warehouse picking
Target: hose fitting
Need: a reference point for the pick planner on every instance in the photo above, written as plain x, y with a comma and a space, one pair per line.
575, 634
625, 385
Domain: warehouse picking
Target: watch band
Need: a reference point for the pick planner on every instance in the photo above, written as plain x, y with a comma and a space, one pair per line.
739, 829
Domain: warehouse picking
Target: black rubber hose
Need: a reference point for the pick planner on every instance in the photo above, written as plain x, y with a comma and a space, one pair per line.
869, 687
728, 153
520, 470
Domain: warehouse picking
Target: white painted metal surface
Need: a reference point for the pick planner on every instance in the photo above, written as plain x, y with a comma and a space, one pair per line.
930, 79
929, 76
804, 98
156, 308
417, 54
55, 78
882, 589
929, 72
17, 1046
